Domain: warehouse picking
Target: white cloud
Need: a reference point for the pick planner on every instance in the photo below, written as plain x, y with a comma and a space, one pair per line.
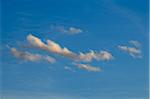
68, 68
51, 46
102, 55
88, 67
31, 57
134, 52
54, 47
36, 42
70, 30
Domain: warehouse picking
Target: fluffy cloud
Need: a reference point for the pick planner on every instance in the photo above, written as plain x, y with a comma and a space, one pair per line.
88, 67
102, 55
54, 47
31, 57
51, 46
36, 42
133, 51
70, 30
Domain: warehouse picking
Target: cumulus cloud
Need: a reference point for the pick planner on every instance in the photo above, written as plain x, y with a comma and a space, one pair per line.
102, 55
31, 57
51, 46
88, 67
133, 51
36, 42
54, 47
70, 30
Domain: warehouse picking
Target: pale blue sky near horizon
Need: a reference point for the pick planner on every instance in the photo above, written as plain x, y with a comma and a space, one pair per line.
104, 25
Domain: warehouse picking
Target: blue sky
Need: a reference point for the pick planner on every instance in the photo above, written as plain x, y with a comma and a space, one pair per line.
74, 49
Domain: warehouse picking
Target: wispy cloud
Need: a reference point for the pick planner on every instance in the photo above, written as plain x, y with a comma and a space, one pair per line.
54, 47
135, 43
49, 59
88, 67
69, 69
31, 57
68, 30
133, 51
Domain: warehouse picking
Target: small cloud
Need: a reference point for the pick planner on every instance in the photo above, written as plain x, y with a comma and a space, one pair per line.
70, 30
135, 43
134, 52
68, 68
102, 55
31, 57
49, 59
88, 67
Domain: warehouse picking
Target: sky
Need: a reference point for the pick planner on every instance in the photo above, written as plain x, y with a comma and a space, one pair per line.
74, 49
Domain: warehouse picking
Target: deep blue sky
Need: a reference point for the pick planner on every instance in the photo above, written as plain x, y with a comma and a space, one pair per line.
105, 25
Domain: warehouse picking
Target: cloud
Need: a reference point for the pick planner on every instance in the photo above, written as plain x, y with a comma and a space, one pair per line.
54, 47
68, 68
102, 55
31, 57
88, 67
70, 30
49, 59
135, 43
36, 42
133, 51
51, 46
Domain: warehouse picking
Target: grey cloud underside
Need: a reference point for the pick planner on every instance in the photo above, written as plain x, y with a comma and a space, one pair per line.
31, 57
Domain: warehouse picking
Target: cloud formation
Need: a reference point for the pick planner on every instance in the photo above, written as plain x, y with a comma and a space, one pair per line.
102, 55
68, 68
135, 43
133, 51
36, 42
88, 67
54, 47
70, 30
31, 57
51, 46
